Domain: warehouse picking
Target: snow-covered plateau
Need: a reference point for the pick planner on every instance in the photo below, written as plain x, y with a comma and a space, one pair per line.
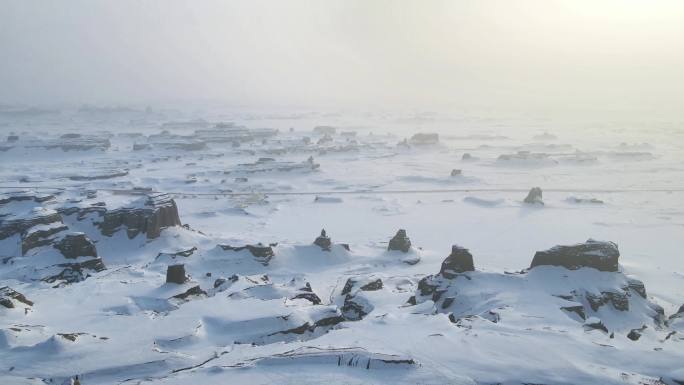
160, 247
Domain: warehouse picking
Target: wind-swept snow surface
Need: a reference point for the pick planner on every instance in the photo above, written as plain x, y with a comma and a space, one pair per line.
163, 248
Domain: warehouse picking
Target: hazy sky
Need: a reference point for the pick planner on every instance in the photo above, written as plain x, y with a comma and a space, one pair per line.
546, 54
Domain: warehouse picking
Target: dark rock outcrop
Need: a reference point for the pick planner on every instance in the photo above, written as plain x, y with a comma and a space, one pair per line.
355, 308
635, 334
459, 261
620, 301
595, 324
323, 241
367, 284
76, 245
372, 286
76, 272
261, 253
599, 255
9, 296
194, 291
309, 296
183, 253
576, 309
176, 274
400, 242
534, 196
637, 286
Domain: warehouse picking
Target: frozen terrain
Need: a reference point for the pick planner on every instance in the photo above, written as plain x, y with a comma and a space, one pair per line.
97, 203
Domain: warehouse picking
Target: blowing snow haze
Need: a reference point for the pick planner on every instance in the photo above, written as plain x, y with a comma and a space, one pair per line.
610, 56
342, 192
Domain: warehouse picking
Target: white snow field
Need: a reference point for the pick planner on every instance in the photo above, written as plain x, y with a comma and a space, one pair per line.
97, 203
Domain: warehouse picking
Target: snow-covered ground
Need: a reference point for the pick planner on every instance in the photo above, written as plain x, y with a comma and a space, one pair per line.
306, 315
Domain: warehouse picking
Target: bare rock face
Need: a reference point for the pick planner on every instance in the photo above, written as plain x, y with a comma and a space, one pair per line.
400, 242
323, 241
594, 323
355, 307
355, 284
261, 253
176, 274
10, 297
534, 196
308, 294
40, 235
194, 291
76, 272
599, 255
76, 245
19, 223
158, 212
459, 261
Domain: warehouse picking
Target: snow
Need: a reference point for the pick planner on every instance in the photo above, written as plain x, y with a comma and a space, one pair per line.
508, 324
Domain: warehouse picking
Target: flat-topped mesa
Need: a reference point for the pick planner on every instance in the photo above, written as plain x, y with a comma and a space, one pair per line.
534, 196
156, 213
459, 261
323, 241
400, 242
76, 245
599, 255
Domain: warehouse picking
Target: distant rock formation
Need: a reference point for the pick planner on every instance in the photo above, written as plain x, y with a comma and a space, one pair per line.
400, 242
459, 261
103, 175
176, 274
599, 255
158, 212
534, 196
323, 241
577, 200
325, 130
76, 245
422, 139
